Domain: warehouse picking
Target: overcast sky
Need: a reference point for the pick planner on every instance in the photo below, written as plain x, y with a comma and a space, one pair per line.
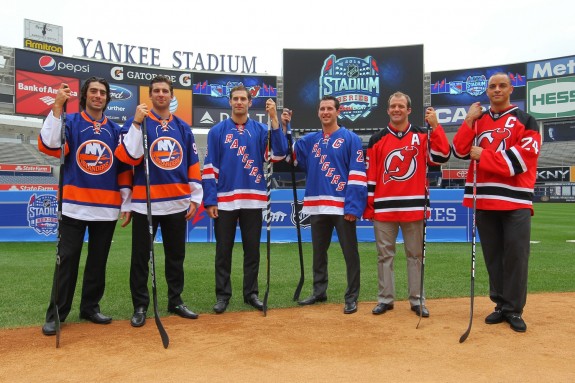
456, 34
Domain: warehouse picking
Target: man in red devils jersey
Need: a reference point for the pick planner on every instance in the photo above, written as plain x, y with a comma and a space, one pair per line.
176, 192
96, 187
335, 195
235, 190
507, 149
396, 182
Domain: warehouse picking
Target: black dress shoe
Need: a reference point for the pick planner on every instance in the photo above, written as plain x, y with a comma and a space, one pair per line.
49, 328
311, 300
221, 306
495, 317
139, 317
424, 312
350, 307
97, 318
516, 322
254, 301
183, 311
382, 308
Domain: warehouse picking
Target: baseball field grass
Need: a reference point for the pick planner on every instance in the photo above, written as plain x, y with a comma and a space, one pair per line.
26, 272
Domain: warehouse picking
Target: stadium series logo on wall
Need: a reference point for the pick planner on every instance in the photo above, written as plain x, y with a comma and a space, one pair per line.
42, 214
354, 82
473, 85
223, 90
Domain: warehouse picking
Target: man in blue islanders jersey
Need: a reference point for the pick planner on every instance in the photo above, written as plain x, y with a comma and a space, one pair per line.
335, 197
235, 190
176, 192
96, 186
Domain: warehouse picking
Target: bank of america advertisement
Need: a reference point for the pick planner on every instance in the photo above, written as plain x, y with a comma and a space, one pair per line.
362, 79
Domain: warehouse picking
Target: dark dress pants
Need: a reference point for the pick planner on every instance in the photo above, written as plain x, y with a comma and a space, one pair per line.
322, 226
72, 232
250, 221
173, 228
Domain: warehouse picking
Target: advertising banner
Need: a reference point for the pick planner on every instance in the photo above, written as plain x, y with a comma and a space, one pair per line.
551, 98
362, 79
30, 216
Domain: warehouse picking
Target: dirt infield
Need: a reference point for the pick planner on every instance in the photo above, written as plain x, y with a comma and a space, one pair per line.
307, 344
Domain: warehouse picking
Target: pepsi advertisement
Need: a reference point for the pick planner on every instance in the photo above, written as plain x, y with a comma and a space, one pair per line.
361, 79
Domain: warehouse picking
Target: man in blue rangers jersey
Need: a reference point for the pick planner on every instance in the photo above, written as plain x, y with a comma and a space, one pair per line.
235, 190
175, 194
335, 196
96, 186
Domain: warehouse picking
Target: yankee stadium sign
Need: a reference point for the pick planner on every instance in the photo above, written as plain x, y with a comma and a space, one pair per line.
354, 82
137, 55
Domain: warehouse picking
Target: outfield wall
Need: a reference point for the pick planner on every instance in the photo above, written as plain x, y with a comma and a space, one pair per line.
31, 216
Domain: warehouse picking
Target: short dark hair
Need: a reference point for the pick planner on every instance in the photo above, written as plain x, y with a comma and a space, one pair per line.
399, 94
500, 74
84, 91
328, 97
240, 87
162, 78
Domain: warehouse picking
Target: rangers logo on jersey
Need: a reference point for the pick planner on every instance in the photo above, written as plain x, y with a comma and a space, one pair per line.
94, 157
166, 153
42, 214
400, 164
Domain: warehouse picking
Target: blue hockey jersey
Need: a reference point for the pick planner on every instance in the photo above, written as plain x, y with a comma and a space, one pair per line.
334, 164
95, 183
233, 175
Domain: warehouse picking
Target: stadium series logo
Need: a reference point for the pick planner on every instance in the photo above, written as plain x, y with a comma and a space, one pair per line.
42, 214
474, 85
223, 90
354, 82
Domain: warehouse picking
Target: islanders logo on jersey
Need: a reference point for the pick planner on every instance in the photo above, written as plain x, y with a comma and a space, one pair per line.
43, 214
94, 157
166, 153
354, 82
494, 139
400, 164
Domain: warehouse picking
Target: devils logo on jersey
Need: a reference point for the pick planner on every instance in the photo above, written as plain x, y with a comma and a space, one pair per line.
94, 157
166, 153
400, 164
494, 139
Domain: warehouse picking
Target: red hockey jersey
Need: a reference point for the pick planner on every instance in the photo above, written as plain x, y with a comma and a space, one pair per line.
507, 168
396, 172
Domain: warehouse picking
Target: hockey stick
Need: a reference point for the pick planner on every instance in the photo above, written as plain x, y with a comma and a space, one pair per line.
296, 215
268, 211
58, 241
163, 333
426, 201
473, 235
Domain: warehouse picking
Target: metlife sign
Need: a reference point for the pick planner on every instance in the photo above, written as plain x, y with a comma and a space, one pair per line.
564, 66
551, 98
